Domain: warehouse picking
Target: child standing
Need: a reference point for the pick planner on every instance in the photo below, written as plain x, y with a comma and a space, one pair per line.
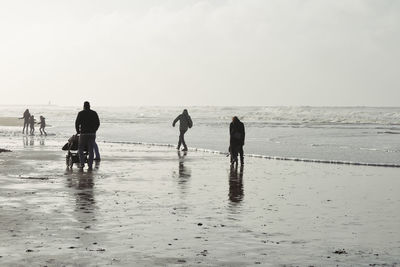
42, 125
32, 124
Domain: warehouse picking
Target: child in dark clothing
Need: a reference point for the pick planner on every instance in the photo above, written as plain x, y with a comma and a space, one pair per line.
32, 124
42, 125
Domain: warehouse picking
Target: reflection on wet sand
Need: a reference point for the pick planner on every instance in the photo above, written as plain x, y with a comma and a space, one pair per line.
28, 141
42, 141
236, 191
85, 204
82, 184
184, 173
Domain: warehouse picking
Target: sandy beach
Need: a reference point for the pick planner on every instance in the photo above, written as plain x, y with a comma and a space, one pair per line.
150, 206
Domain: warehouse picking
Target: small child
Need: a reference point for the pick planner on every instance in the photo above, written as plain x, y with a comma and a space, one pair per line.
32, 124
42, 125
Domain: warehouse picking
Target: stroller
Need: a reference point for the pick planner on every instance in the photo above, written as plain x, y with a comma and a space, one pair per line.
73, 157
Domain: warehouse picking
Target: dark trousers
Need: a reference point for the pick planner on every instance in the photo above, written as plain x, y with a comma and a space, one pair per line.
235, 150
182, 139
26, 124
86, 141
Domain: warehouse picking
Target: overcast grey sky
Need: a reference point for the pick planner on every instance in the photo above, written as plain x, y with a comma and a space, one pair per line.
192, 52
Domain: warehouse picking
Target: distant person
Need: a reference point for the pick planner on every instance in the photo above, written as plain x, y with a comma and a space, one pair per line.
237, 134
86, 124
42, 125
26, 117
185, 122
32, 124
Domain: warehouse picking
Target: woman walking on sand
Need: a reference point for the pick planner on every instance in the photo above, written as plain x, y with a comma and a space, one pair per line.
185, 122
236, 142
26, 117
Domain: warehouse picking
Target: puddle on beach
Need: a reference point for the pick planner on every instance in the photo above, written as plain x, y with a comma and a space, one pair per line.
155, 206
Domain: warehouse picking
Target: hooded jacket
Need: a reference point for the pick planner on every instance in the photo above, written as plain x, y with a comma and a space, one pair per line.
236, 132
185, 121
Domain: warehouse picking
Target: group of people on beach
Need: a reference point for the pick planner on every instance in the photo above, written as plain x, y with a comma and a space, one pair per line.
87, 123
29, 123
236, 133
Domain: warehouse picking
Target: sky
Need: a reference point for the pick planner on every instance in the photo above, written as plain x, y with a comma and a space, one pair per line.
193, 52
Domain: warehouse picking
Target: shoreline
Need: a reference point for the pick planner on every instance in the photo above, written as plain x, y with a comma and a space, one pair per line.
307, 160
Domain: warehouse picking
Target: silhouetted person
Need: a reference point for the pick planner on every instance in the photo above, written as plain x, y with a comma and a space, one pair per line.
26, 117
236, 191
32, 124
237, 134
86, 124
185, 122
42, 125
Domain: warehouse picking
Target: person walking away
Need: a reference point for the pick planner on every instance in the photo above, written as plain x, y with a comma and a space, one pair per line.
32, 124
185, 122
86, 125
26, 116
42, 125
237, 134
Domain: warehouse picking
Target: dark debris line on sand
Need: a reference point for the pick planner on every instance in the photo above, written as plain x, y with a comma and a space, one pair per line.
4, 150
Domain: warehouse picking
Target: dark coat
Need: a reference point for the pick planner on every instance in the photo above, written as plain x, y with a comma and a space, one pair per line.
237, 133
87, 121
185, 121
26, 116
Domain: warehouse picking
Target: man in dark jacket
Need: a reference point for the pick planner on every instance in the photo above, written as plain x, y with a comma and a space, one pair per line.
86, 124
237, 134
185, 122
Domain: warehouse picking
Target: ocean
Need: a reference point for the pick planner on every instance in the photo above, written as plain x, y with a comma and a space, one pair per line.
347, 135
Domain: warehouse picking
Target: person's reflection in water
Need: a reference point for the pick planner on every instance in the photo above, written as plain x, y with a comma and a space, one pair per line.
42, 141
28, 141
32, 141
82, 184
184, 173
236, 191
25, 141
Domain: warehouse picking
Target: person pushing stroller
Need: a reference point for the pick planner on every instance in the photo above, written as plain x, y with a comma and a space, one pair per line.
86, 124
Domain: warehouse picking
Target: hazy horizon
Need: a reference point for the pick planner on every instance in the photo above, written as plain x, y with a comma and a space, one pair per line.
200, 53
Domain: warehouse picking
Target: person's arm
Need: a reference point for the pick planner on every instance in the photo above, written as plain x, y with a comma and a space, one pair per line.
78, 123
176, 120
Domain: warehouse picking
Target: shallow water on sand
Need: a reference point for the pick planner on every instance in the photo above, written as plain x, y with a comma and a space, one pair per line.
152, 206
356, 134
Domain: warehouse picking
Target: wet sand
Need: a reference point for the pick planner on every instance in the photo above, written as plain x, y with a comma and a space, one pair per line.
150, 206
